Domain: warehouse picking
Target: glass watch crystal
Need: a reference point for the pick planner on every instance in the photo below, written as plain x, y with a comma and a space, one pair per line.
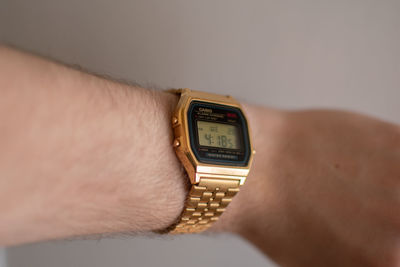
218, 134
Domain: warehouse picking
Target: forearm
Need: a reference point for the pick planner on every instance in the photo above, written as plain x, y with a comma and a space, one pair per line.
82, 155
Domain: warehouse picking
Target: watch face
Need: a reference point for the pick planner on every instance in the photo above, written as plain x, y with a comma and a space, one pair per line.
218, 134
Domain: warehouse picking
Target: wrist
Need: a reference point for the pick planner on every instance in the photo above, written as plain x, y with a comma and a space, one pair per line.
149, 181
257, 196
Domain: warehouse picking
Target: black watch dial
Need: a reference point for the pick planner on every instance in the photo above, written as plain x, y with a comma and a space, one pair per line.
218, 134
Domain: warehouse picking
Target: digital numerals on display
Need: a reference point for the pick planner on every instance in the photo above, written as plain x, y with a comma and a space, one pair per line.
217, 134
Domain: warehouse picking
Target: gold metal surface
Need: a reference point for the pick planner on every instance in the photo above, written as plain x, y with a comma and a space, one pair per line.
205, 204
213, 186
176, 143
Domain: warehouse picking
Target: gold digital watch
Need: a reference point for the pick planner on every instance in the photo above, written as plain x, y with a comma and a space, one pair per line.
212, 140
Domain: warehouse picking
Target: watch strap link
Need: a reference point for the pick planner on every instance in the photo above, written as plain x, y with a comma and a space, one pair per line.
205, 203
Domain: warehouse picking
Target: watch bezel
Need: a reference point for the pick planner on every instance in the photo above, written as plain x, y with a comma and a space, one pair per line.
194, 168
245, 150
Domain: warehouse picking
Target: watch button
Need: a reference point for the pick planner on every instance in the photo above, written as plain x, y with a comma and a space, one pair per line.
174, 120
176, 143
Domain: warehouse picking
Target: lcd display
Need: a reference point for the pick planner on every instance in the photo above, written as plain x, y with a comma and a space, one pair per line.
219, 135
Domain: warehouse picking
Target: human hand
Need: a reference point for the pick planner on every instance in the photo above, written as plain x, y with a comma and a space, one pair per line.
324, 191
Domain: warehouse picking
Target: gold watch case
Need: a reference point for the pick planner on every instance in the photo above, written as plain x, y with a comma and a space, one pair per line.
181, 143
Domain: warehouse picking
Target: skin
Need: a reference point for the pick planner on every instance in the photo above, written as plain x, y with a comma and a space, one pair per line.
82, 155
327, 193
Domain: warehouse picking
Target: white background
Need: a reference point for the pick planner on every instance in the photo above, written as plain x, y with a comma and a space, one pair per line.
287, 54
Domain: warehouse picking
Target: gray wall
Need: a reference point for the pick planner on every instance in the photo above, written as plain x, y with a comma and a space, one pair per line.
288, 54
3, 259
